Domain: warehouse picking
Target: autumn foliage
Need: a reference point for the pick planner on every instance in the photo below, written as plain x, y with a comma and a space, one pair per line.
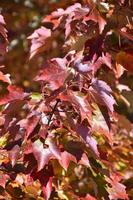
71, 139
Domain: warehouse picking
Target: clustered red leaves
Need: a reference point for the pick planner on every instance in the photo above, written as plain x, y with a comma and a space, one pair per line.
58, 134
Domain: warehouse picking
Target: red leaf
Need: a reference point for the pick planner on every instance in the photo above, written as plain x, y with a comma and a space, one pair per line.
3, 179
2, 21
78, 11
3, 31
29, 124
84, 160
117, 191
84, 132
99, 123
15, 93
101, 93
45, 178
41, 154
66, 158
53, 20
54, 72
48, 189
53, 148
106, 59
13, 154
95, 64
38, 40
5, 78
81, 104
74, 12
96, 17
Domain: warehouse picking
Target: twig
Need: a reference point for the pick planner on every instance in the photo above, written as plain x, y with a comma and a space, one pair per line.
51, 114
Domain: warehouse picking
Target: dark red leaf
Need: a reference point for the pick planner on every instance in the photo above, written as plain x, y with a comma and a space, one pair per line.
48, 189
13, 154
30, 123
54, 73
15, 93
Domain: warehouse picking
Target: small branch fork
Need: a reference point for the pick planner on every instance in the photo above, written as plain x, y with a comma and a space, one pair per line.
54, 109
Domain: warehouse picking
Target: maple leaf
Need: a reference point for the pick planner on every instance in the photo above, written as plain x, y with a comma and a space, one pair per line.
29, 123
47, 189
97, 63
74, 12
45, 178
41, 154
84, 132
15, 93
5, 78
106, 59
101, 93
80, 103
13, 154
66, 158
2, 21
52, 19
84, 160
86, 105
38, 40
96, 17
53, 148
54, 72
101, 124
83, 67
117, 191
78, 10
3, 179
94, 64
